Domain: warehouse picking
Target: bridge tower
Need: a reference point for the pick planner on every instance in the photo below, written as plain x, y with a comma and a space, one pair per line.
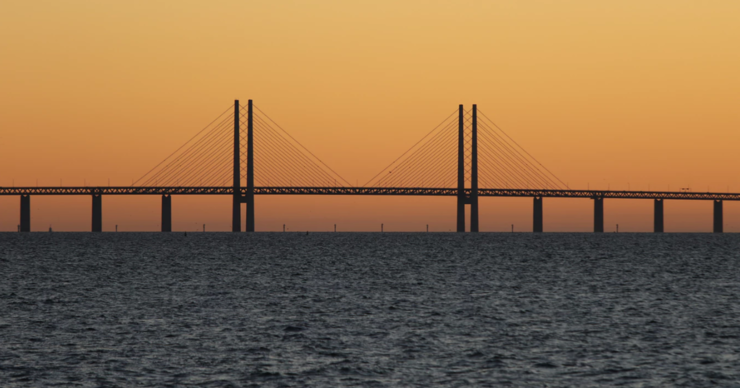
237, 198
474, 173
462, 198
461, 170
236, 215
250, 168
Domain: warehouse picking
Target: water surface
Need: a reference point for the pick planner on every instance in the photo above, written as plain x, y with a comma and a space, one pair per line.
369, 309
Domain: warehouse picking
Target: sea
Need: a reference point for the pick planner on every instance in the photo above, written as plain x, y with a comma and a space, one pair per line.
369, 310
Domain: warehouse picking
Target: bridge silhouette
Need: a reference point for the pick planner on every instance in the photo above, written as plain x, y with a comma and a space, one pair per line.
466, 156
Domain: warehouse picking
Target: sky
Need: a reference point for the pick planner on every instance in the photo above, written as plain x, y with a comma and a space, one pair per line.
621, 95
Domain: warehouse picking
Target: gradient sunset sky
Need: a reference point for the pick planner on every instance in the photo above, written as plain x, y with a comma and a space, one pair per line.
619, 94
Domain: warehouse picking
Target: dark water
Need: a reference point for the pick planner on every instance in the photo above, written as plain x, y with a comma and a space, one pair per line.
353, 309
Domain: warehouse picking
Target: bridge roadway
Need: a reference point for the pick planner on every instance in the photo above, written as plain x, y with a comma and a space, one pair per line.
413, 191
468, 196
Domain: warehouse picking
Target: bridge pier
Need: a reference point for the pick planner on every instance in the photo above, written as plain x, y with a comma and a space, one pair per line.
537, 224
718, 221
658, 215
25, 213
460, 213
97, 212
598, 214
166, 213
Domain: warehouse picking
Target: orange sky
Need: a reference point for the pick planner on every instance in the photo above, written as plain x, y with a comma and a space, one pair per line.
606, 94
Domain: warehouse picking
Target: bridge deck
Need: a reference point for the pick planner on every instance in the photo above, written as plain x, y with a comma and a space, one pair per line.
414, 191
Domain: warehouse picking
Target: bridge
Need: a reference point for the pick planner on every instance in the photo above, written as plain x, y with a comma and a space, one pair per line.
218, 160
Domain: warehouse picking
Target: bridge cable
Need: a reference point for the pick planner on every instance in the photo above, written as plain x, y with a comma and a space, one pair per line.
519, 163
522, 148
272, 142
420, 156
412, 147
188, 160
194, 148
306, 149
186, 143
312, 168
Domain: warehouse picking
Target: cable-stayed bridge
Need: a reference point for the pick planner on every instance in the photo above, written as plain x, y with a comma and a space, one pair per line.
244, 153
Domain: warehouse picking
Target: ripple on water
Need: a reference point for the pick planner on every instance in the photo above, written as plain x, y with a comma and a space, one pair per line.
340, 309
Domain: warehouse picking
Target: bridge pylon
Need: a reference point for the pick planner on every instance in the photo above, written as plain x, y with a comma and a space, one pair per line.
474, 173
237, 197
462, 198
236, 214
250, 168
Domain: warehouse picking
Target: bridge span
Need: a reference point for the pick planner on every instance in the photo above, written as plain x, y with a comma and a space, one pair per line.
341, 190
537, 194
445, 162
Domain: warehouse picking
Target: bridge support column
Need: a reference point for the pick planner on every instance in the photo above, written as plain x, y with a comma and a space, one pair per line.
718, 221
474, 173
167, 213
537, 226
460, 214
236, 203
25, 213
598, 214
461, 171
97, 212
250, 169
658, 216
